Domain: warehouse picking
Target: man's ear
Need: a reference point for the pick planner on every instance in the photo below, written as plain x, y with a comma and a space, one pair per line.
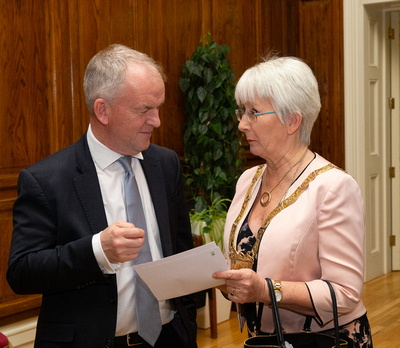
100, 109
294, 123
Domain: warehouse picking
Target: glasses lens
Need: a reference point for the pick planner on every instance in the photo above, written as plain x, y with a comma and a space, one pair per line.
249, 114
239, 114
251, 117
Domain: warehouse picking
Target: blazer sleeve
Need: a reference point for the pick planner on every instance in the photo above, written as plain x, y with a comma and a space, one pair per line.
47, 255
341, 248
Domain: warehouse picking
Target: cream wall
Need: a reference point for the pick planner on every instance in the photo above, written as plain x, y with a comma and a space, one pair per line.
21, 334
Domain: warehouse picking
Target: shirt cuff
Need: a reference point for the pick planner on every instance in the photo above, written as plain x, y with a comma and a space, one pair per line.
104, 264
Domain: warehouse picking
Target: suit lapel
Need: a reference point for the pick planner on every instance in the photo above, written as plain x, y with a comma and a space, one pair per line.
155, 180
88, 188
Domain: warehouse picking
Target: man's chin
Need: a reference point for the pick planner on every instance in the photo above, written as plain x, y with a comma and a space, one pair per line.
144, 146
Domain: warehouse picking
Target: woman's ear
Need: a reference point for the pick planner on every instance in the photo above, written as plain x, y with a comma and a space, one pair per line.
294, 123
101, 108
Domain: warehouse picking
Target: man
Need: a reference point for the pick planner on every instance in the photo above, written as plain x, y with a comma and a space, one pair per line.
71, 240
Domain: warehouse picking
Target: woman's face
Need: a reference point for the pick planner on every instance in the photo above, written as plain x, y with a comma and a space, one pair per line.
267, 134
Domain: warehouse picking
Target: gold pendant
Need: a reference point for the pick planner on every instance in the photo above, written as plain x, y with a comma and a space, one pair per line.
265, 198
240, 260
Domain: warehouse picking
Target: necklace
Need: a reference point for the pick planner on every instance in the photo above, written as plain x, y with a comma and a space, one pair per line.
294, 176
246, 260
266, 196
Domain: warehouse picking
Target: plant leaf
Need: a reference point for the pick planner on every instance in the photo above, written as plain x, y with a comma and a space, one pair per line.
211, 140
217, 128
201, 93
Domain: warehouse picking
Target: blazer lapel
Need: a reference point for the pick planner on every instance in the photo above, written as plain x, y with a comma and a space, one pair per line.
88, 188
155, 181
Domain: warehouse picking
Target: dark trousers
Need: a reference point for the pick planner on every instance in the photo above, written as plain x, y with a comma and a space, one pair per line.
171, 336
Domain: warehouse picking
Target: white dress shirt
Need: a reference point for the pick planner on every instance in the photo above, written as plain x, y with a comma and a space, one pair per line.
111, 178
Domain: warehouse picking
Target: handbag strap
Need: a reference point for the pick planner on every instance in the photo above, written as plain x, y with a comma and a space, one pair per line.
277, 319
335, 313
275, 312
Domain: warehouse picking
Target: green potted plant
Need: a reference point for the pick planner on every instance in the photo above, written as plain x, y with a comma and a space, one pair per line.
209, 223
211, 140
211, 149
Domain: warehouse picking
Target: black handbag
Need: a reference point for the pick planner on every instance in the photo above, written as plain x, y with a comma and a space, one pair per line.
304, 339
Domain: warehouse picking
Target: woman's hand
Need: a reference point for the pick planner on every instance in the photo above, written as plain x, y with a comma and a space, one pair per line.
243, 286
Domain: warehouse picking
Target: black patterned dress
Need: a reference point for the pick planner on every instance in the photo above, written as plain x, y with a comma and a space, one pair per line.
245, 242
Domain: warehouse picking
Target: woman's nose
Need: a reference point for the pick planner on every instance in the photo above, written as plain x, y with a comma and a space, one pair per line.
243, 124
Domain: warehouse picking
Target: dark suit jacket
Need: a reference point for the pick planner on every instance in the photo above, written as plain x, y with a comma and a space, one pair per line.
58, 209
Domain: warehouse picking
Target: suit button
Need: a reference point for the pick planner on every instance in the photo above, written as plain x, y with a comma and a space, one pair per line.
113, 300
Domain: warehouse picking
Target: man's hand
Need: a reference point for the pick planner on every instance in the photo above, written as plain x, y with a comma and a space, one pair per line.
121, 241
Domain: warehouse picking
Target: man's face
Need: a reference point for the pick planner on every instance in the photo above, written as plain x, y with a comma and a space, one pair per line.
134, 113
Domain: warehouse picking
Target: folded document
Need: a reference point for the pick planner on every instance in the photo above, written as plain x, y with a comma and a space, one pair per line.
184, 273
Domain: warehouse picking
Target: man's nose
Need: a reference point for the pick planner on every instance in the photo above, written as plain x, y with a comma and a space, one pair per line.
153, 118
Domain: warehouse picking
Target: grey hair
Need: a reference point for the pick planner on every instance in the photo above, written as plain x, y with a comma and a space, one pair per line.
105, 73
288, 84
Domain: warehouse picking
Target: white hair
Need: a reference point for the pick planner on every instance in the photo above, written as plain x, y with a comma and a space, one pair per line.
288, 84
105, 74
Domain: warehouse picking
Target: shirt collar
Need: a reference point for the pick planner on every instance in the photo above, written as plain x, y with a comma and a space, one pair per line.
101, 154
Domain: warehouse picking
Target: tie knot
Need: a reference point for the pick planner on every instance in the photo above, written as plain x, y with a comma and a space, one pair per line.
125, 161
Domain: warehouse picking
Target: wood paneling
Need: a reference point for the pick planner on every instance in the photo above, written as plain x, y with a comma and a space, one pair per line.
46, 45
321, 46
177, 29
24, 118
23, 86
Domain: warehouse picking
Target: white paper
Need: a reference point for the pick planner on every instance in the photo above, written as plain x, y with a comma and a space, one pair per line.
184, 273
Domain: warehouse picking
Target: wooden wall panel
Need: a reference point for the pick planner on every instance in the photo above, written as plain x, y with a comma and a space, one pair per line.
24, 121
274, 29
23, 86
228, 20
321, 46
59, 71
177, 29
46, 45
96, 24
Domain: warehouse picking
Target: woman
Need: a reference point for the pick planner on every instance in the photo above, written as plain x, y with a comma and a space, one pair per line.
297, 219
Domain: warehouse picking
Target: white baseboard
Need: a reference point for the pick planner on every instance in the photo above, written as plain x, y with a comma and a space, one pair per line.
21, 334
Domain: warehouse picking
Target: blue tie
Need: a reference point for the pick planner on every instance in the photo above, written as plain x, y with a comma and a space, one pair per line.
147, 308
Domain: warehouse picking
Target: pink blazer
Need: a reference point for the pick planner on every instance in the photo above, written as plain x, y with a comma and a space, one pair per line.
320, 236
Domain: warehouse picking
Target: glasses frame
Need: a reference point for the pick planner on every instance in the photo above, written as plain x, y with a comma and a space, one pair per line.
253, 118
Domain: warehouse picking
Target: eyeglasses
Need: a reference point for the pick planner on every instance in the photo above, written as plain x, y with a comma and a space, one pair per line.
252, 117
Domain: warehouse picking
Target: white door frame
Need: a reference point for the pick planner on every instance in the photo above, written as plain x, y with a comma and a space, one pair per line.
394, 19
355, 53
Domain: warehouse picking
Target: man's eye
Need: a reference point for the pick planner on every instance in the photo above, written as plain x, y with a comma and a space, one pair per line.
141, 111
